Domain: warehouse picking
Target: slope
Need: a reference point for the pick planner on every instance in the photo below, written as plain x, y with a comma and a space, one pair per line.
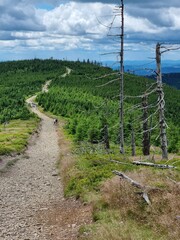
88, 101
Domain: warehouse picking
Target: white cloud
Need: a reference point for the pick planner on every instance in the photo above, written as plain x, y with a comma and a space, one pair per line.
77, 18
137, 24
69, 26
76, 24
27, 35
174, 16
19, 16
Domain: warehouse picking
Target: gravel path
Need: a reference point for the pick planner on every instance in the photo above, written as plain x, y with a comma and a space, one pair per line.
31, 195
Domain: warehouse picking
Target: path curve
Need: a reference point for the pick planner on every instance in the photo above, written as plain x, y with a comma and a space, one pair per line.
31, 184
32, 206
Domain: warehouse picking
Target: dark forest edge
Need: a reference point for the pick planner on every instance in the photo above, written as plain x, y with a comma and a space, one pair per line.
172, 79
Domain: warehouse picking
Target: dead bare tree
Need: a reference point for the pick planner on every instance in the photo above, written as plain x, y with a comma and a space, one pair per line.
122, 81
133, 143
119, 12
146, 133
105, 130
106, 137
161, 101
144, 120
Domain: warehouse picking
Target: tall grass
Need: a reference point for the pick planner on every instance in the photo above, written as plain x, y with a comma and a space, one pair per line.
15, 135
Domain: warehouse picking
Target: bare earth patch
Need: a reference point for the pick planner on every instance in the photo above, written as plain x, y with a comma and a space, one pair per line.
64, 219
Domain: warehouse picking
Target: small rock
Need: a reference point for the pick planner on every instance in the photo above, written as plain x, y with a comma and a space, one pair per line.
54, 174
47, 184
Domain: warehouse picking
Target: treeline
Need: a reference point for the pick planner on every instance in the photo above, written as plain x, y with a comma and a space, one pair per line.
35, 65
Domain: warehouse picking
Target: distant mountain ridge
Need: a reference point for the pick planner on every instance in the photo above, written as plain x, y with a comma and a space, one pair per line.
172, 79
170, 70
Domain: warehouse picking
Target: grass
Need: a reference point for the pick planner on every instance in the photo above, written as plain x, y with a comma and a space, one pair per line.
14, 136
90, 171
119, 211
113, 226
160, 217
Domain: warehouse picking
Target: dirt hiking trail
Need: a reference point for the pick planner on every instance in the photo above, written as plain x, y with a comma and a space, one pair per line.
32, 206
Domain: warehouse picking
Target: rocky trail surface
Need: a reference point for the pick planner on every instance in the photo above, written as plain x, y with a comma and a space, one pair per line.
32, 205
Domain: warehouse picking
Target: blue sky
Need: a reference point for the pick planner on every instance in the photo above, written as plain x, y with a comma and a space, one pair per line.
77, 29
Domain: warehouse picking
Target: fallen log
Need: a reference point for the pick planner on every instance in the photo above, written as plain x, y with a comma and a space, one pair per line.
164, 166
136, 184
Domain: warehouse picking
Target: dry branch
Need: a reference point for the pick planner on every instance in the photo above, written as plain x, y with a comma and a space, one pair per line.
106, 75
140, 96
135, 184
114, 80
164, 166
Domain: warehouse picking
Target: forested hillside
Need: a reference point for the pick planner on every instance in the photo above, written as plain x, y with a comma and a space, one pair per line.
172, 79
86, 98
90, 102
20, 79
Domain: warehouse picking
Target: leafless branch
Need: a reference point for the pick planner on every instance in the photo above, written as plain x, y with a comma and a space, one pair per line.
150, 116
110, 53
106, 75
105, 84
141, 96
150, 129
169, 49
106, 26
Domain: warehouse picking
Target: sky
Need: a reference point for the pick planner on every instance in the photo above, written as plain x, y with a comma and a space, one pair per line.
72, 30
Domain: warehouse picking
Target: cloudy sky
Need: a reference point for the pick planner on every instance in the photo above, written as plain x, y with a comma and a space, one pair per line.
79, 28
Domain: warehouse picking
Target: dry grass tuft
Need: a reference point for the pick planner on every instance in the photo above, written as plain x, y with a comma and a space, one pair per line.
66, 159
120, 194
162, 216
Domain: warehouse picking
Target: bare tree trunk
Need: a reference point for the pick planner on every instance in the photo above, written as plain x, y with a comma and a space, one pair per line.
146, 134
121, 108
161, 103
133, 145
106, 137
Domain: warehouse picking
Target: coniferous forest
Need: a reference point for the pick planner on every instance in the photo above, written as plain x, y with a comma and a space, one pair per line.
88, 98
